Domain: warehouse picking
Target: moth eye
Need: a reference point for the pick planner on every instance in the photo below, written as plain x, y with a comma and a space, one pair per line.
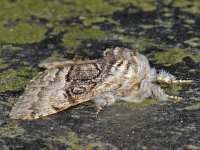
79, 90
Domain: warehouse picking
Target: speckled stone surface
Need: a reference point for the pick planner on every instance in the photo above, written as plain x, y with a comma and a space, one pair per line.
167, 32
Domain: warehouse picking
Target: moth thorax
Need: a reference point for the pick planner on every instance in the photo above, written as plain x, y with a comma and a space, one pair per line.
120, 67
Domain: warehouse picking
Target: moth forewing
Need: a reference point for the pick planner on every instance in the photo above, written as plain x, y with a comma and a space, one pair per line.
58, 88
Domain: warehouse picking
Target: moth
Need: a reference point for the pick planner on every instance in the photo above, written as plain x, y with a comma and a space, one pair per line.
122, 74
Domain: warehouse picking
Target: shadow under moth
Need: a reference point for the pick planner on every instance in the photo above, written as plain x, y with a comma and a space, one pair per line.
122, 74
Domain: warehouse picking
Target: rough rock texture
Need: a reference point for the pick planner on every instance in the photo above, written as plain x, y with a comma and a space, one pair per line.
167, 32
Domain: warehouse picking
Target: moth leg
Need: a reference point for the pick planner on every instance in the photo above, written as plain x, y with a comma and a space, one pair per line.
105, 99
165, 77
182, 81
98, 111
158, 92
146, 90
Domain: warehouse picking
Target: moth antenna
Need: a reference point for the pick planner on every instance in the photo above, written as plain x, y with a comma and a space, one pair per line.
174, 97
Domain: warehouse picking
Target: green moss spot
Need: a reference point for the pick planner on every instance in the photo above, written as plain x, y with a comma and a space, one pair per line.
10, 47
134, 106
24, 9
3, 64
181, 3
140, 43
147, 26
193, 42
55, 11
145, 5
186, 5
74, 142
14, 61
97, 9
171, 56
15, 85
11, 130
22, 33
173, 89
196, 58
13, 80
26, 71
193, 107
168, 14
124, 38
75, 34
189, 21
8, 103
61, 139
194, 8
70, 139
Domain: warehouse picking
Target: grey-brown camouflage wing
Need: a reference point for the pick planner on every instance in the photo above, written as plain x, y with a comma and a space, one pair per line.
57, 89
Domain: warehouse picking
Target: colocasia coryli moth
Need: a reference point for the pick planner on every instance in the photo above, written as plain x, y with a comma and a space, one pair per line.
122, 74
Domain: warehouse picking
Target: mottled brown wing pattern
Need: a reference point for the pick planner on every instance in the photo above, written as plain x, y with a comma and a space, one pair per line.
58, 88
